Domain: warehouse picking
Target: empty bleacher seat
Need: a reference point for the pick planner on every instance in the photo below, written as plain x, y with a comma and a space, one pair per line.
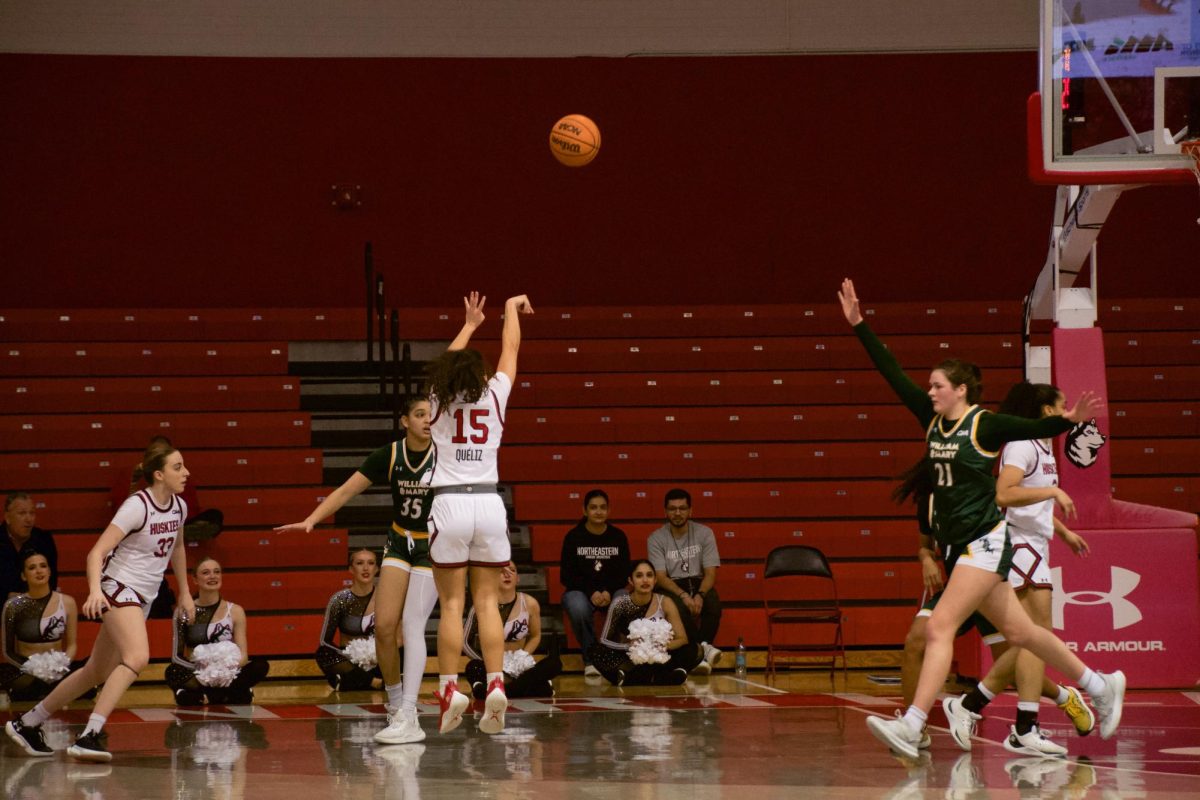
159, 394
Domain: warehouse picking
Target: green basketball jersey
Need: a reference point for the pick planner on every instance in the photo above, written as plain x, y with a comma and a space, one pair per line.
408, 475
964, 495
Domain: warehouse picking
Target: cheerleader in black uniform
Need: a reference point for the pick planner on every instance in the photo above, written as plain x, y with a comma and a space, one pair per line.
38, 621
350, 615
217, 620
522, 616
611, 653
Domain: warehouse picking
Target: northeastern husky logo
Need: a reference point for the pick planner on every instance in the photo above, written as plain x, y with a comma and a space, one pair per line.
1083, 443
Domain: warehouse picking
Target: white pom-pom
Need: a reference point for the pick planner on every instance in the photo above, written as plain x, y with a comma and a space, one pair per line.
516, 662
648, 640
218, 663
362, 653
51, 666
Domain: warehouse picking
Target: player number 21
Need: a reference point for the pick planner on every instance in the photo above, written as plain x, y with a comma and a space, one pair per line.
944, 476
478, 423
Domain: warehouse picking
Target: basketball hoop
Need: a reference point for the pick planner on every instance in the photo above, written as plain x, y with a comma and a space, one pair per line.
1192, 151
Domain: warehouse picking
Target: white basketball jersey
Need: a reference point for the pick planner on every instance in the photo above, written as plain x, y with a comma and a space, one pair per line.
141, 558
466, 436
1035, 459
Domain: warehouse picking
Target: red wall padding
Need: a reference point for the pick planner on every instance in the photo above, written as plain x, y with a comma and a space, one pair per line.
143, 182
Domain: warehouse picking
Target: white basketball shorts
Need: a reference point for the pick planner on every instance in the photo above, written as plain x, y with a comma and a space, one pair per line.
468, 529
1030, 560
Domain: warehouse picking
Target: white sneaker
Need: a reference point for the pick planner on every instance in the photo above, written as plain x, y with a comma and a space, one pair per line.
712, 656
962, 722
403, 728
703, 668
1033, 743
590, 671
452, 703
896, 734
493, 708
1110, 702
926, 740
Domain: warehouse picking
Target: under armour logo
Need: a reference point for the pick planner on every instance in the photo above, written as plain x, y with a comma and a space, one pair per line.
1123, 582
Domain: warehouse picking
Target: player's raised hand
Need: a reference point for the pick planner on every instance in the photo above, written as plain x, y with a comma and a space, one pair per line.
1086, 407
473, 305
850, 302
521, 304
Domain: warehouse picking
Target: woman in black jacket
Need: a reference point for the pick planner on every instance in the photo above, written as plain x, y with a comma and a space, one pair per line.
595, 569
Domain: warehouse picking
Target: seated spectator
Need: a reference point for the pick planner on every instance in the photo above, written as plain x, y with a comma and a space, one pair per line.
684, 554
350, 617
522, 633
17, 534
613, 654
595, 569
201, 523
217, 620
38, 621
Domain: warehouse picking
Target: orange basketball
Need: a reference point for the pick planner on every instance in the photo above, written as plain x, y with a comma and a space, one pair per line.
575, 140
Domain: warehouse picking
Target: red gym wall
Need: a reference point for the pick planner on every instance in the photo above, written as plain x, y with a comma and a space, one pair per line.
134, 181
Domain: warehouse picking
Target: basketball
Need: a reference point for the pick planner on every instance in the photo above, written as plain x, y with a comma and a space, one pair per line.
575, 140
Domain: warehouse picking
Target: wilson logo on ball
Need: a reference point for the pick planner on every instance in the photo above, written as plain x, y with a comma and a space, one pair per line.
574, 140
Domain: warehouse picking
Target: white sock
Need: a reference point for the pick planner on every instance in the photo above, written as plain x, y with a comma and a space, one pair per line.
1027, 705
35, 716
1063, 696
95, 724
1091, 682
492, 676
443, 680
915, 719
394, 692
986, 692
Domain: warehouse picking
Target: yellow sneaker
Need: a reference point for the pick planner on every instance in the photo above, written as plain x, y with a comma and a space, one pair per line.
1078, 712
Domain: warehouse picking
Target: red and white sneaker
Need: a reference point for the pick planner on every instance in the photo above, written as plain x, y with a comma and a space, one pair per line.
453, 703
494, 707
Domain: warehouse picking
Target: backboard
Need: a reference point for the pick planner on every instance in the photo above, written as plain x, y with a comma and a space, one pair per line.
1120, 89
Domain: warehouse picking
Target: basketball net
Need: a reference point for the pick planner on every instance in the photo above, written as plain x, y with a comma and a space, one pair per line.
1192, 151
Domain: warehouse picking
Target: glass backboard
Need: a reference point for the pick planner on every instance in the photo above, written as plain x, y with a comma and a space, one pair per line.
1120, 90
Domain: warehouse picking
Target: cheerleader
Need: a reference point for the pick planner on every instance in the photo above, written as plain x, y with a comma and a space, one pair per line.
350, 617
522, 616
468, 523
217, 620
124, 570
615, 656
36, 622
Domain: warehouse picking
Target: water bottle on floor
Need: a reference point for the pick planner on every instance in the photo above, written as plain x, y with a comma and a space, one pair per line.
739, 661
